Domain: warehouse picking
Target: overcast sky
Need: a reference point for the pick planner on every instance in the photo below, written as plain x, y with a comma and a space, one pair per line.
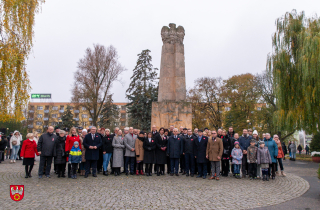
222, 38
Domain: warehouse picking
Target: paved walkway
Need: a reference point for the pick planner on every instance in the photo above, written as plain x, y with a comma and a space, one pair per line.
141, 192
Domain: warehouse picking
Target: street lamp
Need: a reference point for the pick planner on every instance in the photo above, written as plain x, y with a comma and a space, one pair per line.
248, 121
8, 131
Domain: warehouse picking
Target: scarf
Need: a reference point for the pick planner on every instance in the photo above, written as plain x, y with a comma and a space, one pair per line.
141, 138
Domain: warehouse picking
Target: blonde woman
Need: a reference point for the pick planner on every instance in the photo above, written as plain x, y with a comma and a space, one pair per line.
29, 148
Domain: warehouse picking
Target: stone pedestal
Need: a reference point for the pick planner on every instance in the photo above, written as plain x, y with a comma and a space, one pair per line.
168, 113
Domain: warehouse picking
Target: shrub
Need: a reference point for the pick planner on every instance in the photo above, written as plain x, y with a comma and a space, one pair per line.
315, 143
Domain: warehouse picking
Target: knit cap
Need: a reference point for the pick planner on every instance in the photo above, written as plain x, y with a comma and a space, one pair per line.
236, 142
76, 143
252, 140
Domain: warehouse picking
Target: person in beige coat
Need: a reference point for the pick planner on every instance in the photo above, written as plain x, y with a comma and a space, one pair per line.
139, 153
214, 154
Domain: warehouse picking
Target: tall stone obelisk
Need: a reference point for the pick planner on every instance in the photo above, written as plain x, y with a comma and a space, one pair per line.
172, 108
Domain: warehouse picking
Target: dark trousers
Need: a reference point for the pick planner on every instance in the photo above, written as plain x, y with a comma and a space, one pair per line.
159, 167
74, 168
174, 163
244, 167
149, 168
168, 165
127, 161
202, 169
61, 168
111, 159
69, 170
1, 156
280, 163
252, 170
45, 160
272, 167
225, 167
93, 164
182, 162
139, 166
307, 152
189, 159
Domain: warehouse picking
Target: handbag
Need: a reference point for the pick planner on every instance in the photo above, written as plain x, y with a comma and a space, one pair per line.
14, 143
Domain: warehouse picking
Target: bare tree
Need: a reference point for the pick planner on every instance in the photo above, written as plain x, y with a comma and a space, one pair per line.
94, 77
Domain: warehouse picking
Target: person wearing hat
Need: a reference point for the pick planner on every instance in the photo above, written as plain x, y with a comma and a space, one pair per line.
252, 159
236, 155
80, 131
75, 157
255, 136
200, 148
56, 130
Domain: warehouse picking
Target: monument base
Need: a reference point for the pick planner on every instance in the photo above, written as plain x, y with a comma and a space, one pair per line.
168, 113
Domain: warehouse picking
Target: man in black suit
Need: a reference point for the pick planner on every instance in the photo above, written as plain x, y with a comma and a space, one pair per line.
174, 150
92, 142
200, 154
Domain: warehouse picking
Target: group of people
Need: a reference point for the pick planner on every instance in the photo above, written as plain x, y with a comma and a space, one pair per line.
197, 152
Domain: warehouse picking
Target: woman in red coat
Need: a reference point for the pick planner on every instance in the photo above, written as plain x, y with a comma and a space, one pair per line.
71, 138
29, 148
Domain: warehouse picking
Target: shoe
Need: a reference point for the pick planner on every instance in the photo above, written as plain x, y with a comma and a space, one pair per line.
72, 176
75, 176
183, 173
63, 176
127, 173
14, 161
267, 178
137, 172
26, 176
162, 173
277, 173
147, 174
255, 178
258, 177
58, 175
141, 172
48, 176
177, 174
187, 174
115, 174
273, 177
204, 177
131, 173
158, 173
86, 176
282, 173
250, 178
105, 173
171, 174
212, 177
94, 175
192, 175
29, 175
40, 176
150, 174
217, 178
199, 176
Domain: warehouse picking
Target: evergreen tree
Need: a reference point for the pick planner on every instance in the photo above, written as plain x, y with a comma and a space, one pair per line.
142, 91
67, 119
109, 114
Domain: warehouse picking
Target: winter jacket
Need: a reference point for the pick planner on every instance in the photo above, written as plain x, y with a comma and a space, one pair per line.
188, 144
16, 139
252, 154
75, 155
200, 148
244, 142
161, 156
60, 155
107, 144
284, 148
214, 149
236, 156
70, 139
273, 148
129, 141
139, 148
293, 148
299, 148
149, 150
92, 154
46, 144
175, 146
280, 152
29, 148
3, 143
263, 156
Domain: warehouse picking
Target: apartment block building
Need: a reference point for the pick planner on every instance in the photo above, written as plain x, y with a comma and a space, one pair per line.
40, 115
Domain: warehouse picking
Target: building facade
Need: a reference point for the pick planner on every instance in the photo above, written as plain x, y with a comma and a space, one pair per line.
41, 115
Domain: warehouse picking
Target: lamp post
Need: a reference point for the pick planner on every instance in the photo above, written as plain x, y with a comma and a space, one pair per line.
8, 131
248, 121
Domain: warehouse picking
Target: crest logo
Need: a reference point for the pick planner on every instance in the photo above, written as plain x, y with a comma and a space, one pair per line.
16, 192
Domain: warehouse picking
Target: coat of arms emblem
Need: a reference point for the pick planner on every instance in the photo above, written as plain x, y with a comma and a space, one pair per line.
16, 192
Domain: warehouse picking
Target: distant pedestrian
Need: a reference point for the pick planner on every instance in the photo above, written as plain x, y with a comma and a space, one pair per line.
28, 151
289, 148
299, 149
284, 149
293, 149
15, 142
307, 150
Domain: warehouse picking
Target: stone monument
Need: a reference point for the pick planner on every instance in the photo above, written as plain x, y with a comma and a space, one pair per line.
172, 108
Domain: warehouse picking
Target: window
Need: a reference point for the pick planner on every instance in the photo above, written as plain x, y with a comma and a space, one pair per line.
47, 107
39, 123
259, 108
84, 116
54, 108
123, 108
54, 116
123, 123
39, 115
54, 123
40, 107
83, 108
123, 115
61, 107
39, 130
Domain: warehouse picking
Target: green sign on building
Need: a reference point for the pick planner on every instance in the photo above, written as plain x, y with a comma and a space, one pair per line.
41, 96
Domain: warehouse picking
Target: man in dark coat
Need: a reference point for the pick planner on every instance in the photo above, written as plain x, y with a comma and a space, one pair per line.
174, 150
244, 142
92, 142
188, 151
45, 148
182, 158
3, 144
200, 148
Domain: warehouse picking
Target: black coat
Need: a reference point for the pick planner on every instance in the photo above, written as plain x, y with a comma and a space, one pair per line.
92, 154
3, 143
201, 149
175, 147
46, 144
149, 150
161, 156
107, 144
188, 144
59, 151
284, 148
226, 147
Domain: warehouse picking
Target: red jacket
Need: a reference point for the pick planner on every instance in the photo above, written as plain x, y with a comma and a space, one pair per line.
70, 142
280, 152
29, 148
